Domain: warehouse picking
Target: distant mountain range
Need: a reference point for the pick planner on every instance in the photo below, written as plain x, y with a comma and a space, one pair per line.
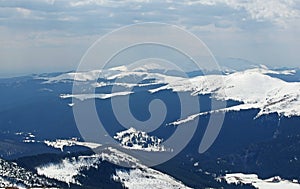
41, 146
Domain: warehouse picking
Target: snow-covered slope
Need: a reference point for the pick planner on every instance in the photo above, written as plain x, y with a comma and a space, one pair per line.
146, 178
82, 76
271, 183
61, 143
93, 75
13, 175
254, 88
83, 97
69, 169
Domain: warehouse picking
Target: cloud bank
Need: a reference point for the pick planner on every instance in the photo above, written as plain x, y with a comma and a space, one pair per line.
53, 35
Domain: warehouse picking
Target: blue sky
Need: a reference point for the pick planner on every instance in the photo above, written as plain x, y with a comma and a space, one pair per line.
52, 35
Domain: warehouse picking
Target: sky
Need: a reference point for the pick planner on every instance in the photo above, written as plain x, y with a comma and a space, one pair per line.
52, 35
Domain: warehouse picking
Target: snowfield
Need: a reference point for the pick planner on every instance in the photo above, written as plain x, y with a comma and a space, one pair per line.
69, 168
254, 88
61, 143
146, 178
271, 183
139, 175
13, 175
83, 97
251, 87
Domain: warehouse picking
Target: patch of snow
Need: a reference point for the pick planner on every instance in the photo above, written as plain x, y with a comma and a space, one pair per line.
146, 178
138, 140
46, 90
69, 168
4, 182
74, 76
138, 176
156, 66
271, 183
30, 135
126, 85
71, 104
61, 143
119, 68
232, 108
26, 135
83, 97
11, 175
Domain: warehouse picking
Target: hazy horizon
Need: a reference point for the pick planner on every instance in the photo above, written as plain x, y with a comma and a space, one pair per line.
49, 35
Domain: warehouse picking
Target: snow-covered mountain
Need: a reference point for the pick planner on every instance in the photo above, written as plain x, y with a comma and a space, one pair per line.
71, 170
38, 130
253, 88
231, 64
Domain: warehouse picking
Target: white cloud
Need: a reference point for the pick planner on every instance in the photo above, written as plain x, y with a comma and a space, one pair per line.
112, 3
276, 11
211, 28
23, 11
88, 2
230, 27
50, 2
68, 18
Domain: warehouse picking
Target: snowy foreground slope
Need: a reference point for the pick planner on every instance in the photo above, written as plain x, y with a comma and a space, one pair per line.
13, 175
253, 88
74, 170
137, 176
271, 183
